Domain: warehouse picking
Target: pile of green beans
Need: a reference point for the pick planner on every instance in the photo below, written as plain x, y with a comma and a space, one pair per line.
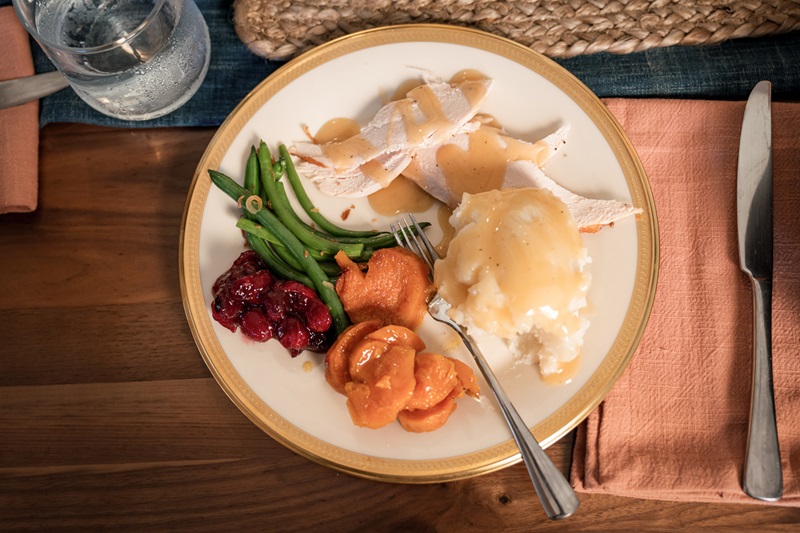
291, 248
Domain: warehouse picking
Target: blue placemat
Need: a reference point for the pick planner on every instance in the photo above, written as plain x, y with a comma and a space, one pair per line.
725, 71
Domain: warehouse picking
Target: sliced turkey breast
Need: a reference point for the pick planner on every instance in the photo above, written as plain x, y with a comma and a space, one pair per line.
487, 159
429, 115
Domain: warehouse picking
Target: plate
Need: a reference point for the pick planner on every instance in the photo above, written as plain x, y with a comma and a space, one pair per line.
351, 77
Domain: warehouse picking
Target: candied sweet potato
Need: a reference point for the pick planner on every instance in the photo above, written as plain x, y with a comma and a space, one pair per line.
395, 288
462, 380
383, 388
436, 378
337, 360
424, 420
363, 355
398, 335
376, 343
386, 375
467, 379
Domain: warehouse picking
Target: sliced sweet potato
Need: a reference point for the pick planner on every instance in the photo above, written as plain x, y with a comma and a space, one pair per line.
384, 388
377, 342
467, 378
387, 376
424, 420
398, 335
364, 354
337, 359
394, 289
428, 419
436, 378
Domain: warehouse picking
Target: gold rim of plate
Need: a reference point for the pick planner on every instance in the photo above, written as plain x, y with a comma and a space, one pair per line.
549, 430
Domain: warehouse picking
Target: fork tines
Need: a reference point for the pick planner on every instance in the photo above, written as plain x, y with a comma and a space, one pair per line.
408, 235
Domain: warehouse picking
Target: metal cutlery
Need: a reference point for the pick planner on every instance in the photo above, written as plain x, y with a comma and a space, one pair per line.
554, 491
21, 90
762, 478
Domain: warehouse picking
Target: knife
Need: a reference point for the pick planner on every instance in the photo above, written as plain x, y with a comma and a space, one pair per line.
762, 478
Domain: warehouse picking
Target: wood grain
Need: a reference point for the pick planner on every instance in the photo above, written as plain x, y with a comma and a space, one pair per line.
110, 419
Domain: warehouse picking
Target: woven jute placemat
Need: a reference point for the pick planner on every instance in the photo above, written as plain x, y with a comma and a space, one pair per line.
281, 29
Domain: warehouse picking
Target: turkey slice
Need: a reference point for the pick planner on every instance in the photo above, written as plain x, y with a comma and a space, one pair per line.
429, 115
493, 160
474, 161
590, 214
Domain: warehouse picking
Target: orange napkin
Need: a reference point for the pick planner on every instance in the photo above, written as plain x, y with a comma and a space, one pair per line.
19, 126
674, 426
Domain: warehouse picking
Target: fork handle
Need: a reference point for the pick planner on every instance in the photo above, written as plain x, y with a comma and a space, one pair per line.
557, 497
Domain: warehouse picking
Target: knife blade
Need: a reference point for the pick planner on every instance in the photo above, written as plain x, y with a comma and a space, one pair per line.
763, 478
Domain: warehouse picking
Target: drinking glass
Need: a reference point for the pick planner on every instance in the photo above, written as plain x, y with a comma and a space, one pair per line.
129, 59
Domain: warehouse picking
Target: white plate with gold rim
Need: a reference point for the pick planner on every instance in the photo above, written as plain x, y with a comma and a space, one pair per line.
288, 397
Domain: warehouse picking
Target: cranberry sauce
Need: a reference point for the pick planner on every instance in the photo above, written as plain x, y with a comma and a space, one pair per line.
249, 297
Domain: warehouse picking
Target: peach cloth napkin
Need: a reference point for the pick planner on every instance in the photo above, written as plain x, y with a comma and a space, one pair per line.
674, 426
19, 126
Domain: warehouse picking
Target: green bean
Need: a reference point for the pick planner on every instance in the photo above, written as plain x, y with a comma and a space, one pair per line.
282, 264
248, 225
288, 217
252, 182
365, 255
278, 168
383, 240
286, 265
251, 179
330, 269
266, 218
287, 256
280, 192
376, 240
274, 263
257, 230
308, 206
273, 252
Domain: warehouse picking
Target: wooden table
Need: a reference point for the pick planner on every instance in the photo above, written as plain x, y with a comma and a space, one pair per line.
110, 418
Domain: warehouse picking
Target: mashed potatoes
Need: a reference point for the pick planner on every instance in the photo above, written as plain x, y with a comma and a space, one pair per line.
516, 269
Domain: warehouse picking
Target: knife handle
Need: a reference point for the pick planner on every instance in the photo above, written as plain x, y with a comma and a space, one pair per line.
763, 478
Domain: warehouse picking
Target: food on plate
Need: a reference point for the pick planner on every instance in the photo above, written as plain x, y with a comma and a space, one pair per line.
440, 381
394, 289
290, 258
364, 163
516, 269
590, 214
486, 159
289, 247
248, 296
436, 138
337, 363
476, 161
386, 375
283, 287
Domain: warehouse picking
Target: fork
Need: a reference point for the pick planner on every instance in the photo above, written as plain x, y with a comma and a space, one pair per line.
20, 90
554, 491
